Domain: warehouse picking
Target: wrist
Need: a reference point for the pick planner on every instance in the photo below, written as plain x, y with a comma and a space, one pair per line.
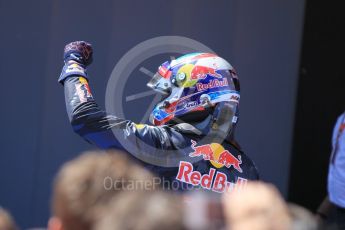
74, 57
72, 68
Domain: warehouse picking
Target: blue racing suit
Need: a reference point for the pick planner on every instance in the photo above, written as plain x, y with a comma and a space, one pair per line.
176, 153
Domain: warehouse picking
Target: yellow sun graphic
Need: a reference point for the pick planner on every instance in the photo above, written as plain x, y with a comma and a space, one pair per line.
217, 150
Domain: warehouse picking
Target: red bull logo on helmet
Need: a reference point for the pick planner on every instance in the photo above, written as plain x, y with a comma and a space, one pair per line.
200, 72
217, 155
212, 84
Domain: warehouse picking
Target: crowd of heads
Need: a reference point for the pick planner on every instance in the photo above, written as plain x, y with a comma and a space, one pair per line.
89, 194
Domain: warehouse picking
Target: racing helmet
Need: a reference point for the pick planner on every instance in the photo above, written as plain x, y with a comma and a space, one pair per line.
193, 85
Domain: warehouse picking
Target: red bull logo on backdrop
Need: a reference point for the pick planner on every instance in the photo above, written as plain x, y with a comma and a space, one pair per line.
217, 155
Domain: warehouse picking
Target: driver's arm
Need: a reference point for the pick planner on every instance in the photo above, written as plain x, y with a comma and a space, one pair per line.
92, 123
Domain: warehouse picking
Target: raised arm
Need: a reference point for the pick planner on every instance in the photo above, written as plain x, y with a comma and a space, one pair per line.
92, 123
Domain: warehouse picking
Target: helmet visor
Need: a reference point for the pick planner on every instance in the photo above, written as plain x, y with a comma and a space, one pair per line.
160, 84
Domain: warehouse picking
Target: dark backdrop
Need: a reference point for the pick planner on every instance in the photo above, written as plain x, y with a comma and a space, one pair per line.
321, 99
260, 38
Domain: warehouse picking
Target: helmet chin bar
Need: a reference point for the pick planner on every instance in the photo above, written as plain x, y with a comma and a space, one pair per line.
221, 124
216, 122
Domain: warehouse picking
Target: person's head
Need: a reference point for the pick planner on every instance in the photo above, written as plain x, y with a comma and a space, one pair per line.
256, 206
153, 210
193, 86
6, 220
86, 184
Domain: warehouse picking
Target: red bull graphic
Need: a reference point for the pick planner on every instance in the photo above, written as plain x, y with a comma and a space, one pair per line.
212, 84
228, 160
214, 181
217, 155
203, 150
83, 90
200, 72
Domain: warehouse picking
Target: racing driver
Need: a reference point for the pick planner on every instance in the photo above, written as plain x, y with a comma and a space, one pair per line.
191, 142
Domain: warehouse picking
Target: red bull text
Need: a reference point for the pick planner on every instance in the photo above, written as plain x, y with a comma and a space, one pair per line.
214, 181
212, 84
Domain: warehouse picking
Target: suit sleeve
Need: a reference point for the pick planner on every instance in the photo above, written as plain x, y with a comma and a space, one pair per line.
106, 131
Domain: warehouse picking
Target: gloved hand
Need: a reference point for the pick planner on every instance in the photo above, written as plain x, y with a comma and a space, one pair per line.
77, 55
78, 51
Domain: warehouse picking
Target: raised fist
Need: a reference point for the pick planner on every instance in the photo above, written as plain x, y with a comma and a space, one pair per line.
79, 51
